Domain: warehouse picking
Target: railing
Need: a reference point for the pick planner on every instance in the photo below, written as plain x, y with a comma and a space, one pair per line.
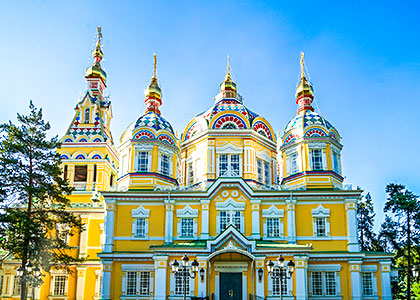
79, 186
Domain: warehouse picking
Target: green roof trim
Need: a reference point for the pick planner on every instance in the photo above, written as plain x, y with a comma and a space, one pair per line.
192, 244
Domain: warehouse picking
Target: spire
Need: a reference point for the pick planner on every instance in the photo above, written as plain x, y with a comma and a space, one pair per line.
95, 71
153, 92
228, 87
304, 90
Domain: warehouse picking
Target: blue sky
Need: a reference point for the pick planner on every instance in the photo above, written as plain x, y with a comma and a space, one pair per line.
362, 57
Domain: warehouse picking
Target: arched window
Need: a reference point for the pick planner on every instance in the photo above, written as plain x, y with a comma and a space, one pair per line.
87, 115
229, 126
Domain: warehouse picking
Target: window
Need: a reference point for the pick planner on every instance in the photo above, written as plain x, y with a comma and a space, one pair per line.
143, 161
229, 165
187, 227
144, 283
316, 159
65, 172
80, 173
320, 227
87, 115
330, 283
273, 227
323, 283
140, 227
316, 283
336, 162
165, 164
276, 284
179, 285
294, 167
94, 173
230, 217
59, 285
111, 181
367, 284
16, 286
63, 232
263, 170
229, 126
190, 174
131, 288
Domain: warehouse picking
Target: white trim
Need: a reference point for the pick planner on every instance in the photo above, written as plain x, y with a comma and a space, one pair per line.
140, 212
230, 204
326, 268
273, 212
187, 212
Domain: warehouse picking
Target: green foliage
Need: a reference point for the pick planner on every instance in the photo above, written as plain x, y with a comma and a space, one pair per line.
365, 222
33, 194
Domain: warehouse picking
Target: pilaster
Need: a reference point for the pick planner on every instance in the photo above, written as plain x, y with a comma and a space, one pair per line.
291, 225
353, 245
81, 271
386, 279
161, 266
301, 276
205, 219
169, 221
356, 290
255, 211
106, 280
109, 226
259, 287
202, 282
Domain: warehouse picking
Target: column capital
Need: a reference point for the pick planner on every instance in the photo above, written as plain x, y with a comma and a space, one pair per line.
301, 261
161, 261
355, 265
350, 204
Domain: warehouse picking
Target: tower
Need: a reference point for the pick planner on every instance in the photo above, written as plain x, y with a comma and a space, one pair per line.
309, 153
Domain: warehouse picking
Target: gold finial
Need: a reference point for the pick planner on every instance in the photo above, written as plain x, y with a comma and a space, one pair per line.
98, 44
228, 65
301, 64
154, 65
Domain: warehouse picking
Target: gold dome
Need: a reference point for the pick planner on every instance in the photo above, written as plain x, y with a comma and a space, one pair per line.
95, 70
153, 90
228, 85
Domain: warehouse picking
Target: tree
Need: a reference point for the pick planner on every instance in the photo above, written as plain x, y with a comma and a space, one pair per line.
365, 223
402, 232
33, 196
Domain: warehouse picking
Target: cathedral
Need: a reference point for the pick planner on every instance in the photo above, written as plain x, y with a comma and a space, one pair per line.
227, 193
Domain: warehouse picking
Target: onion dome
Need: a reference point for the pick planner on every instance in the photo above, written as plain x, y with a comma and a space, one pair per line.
228, 113
95, 71
307, 123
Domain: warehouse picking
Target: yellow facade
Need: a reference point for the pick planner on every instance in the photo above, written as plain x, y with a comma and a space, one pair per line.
227, 192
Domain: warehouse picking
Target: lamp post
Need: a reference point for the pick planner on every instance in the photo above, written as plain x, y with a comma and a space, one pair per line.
284, 274
28, 274
184, 273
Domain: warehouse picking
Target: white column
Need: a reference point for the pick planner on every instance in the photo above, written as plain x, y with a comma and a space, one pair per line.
291, 227
81, 271
106, 280
259, 287
205, 219
169, 221
217, 285
109, 226
202, 283
255, 214
356, 290
386, 279
301, 275
244, 285
352, 225
161, 266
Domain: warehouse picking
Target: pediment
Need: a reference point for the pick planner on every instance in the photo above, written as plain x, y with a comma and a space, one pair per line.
231, 238
140, 212
320, 211
230, 204
186, 212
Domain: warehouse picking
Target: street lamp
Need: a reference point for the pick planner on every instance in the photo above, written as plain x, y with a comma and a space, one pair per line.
184, 273
284, 273
29, 274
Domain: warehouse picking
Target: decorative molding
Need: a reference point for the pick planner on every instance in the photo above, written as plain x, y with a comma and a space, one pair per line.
187, 212
273, 211
320, 212
230, 204
140, 212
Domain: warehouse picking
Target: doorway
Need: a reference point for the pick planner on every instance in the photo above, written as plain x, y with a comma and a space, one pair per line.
230, 286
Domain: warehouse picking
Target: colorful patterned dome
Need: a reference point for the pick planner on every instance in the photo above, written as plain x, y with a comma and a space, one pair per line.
228, 113
155, 121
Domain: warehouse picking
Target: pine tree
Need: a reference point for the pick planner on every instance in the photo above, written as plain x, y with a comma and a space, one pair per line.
401, 234
33, 215
365, 223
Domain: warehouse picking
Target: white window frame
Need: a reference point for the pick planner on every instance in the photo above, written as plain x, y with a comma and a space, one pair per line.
189, 213
336, 162
16, 285
324, 269
321, 147
143, 155
229, 170
273, 213
293, 163
230, 206
321, 212
191, 175
140, 213
98, 282
372, 270
270, 286
138, 270
86, 120
165, 170
54, 274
